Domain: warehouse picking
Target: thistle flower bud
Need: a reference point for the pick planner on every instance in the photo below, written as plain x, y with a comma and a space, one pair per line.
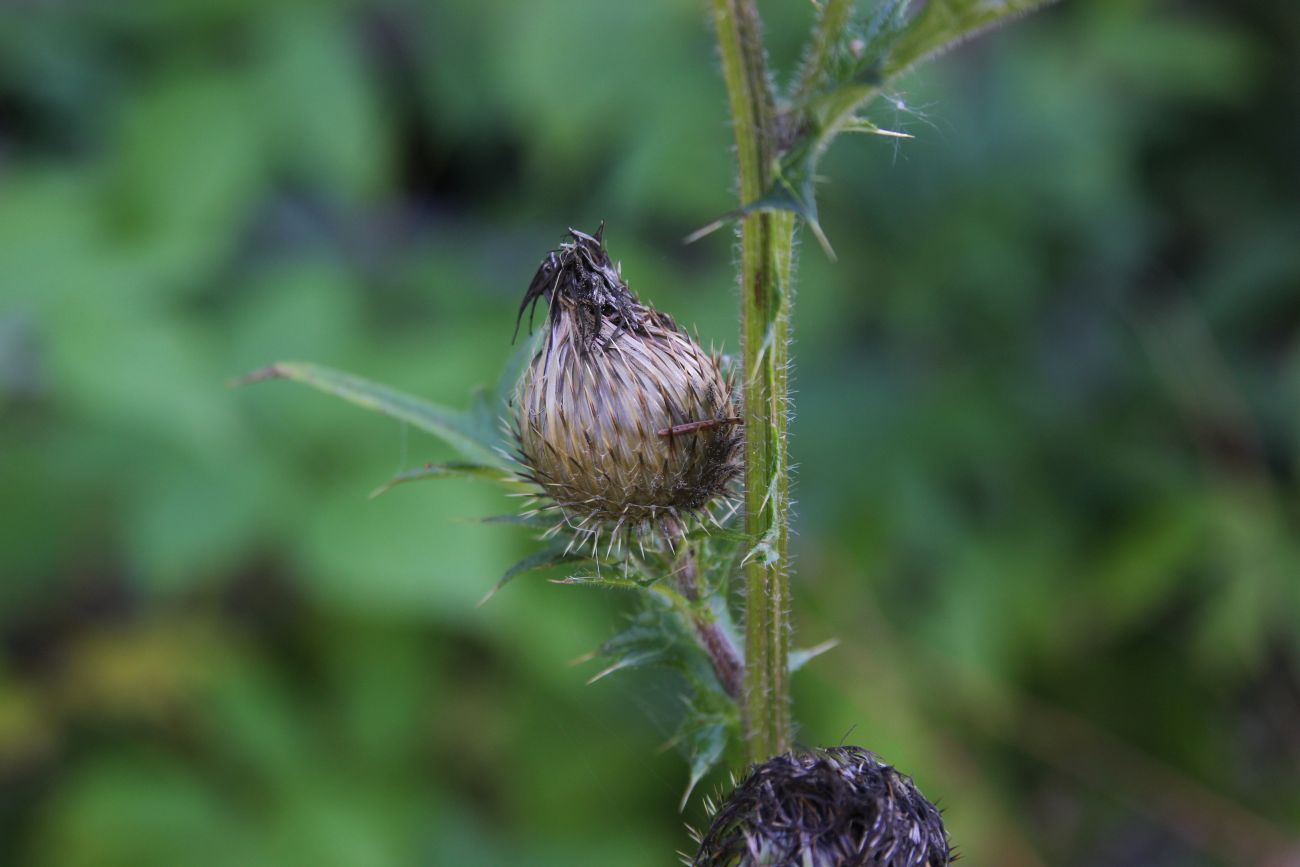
840, 806
622, 418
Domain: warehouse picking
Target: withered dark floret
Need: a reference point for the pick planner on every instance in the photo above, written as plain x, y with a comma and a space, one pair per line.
582, 273
840, 806
623, 421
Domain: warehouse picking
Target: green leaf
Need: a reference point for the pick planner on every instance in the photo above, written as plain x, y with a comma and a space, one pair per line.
602, 581
866, 127
658, 637
446, 471
943, 24
655, 637
792, 189
649, 640
457, 429
703, 737
703, 734
868, 56
544, 559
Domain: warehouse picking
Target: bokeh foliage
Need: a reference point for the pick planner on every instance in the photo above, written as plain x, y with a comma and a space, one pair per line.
1046, 424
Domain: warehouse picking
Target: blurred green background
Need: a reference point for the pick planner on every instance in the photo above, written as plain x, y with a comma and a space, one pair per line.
1047, 422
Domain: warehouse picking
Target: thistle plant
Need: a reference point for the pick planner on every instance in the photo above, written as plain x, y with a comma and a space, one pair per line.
629, 441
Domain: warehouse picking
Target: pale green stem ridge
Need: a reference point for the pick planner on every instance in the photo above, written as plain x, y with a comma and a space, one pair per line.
766, 258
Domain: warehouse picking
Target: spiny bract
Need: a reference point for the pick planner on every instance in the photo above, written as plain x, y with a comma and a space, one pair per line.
623, 421
835, 807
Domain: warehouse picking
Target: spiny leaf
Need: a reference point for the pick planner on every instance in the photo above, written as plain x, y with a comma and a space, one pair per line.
704, 748
543, 559
943, 24
848, 65
894, 39
883, 27
454, 427
635, 580
633, 660
648, 640
445, 471
820, 55
657, 636
792, 190
862, 125
603, 581
702, 736
800, 657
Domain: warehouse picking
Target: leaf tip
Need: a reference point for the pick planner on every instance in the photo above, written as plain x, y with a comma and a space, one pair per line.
697, 774
709, 229
584, 658
816, 228
262, 374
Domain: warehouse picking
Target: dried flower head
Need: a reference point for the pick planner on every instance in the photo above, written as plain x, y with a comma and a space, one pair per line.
623, 421
840, 806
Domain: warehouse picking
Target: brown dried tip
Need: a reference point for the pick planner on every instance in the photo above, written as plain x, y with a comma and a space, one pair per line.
840, 806
622, 419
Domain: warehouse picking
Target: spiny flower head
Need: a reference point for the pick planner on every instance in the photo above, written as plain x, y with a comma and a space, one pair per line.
623, 421
835, 807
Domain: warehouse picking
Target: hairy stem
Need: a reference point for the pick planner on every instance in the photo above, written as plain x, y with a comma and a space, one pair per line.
767, 242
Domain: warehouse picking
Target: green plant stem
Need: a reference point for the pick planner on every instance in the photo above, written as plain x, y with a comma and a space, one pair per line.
767, 249
722, 652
